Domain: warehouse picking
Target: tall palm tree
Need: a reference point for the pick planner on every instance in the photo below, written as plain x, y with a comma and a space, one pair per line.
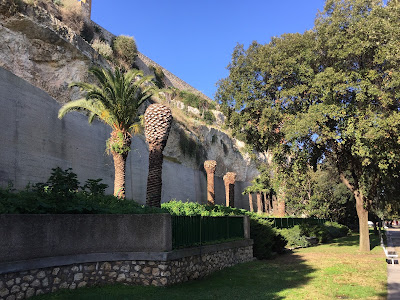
158, 120
114, 100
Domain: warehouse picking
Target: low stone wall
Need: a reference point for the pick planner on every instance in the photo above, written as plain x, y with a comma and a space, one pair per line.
173, 267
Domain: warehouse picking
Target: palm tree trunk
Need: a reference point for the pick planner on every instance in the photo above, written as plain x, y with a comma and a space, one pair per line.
251, 202
119, 168
259, 203
154, 179
266, 202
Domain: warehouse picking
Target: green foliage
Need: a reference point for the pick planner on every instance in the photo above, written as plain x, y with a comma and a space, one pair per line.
94, 187
61, 194
125, 49
329, 94
103, 48
297, 235
115, 99
337, 230
294, 237
316, 230
318, 192
209, 117
159, 76
266, 239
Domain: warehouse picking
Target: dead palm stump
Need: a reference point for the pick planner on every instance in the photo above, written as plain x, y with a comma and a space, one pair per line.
158, 119
229, 180
209, 166
259, 203
251, 202
266, 203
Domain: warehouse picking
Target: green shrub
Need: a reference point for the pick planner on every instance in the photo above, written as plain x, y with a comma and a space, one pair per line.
62, 194
266, 239
294, 237
159, 76
318, 230
125, 49
209, 117
103, 48
337, 230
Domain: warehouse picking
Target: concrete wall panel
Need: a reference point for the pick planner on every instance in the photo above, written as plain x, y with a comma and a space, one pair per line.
33, 141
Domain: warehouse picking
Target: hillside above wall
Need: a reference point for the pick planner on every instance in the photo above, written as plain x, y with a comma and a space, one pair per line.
39, 48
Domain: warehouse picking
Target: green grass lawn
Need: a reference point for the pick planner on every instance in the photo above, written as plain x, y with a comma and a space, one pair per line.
333, 271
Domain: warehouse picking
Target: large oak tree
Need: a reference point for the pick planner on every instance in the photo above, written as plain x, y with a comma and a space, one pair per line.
331, 93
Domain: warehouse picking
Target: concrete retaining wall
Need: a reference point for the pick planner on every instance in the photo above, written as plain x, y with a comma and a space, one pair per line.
34, 140
44, 253
24, 237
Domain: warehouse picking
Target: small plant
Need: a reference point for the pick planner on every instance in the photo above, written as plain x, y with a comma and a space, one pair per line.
93, 187
159, 76
103, 48
209, 117
294, 237
125, 50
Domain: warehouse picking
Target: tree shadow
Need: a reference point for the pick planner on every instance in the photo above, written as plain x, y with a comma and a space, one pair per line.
264, 279
354, 240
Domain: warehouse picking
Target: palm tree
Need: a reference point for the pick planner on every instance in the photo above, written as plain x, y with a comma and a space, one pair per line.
115, 101
158, 120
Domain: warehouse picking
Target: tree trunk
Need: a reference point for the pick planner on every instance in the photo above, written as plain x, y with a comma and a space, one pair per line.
251, 202
281, 208
259, 203
274, 205
154, 179
119, 170
362, 221
266, 202
362, 213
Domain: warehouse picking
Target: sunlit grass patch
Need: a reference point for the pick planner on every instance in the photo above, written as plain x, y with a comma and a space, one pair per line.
334, 271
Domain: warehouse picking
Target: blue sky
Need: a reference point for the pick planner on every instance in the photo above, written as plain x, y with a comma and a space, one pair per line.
195, 39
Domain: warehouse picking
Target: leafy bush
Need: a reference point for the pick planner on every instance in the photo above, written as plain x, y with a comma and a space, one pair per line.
159, 76
62, 194
209, 117
266, 239
125, 50
103, 48
318, 230
294, 237
193, 100
337, 230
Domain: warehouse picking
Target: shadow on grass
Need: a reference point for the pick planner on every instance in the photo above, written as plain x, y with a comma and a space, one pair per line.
354, 240
254, 280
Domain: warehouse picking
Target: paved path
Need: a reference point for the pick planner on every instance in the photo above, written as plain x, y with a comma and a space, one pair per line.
393, 243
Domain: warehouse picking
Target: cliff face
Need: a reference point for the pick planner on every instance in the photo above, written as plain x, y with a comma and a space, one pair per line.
40, 49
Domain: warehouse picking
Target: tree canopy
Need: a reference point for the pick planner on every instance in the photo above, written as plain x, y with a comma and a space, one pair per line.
329, 94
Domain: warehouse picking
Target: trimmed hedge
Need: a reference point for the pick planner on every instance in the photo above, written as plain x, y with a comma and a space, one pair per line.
266, 239
297, 235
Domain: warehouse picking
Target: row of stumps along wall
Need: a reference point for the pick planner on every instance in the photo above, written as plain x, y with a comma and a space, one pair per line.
229, 181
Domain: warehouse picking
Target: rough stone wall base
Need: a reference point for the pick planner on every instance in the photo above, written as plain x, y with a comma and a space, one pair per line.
25, 284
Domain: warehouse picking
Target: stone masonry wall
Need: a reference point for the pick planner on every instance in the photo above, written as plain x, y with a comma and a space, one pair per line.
25, 284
